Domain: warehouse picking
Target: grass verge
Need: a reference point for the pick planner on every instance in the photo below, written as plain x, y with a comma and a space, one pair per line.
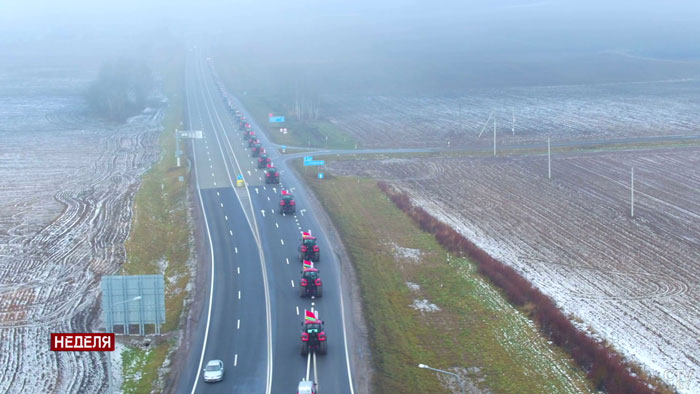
475, 333
159, 240
140, 367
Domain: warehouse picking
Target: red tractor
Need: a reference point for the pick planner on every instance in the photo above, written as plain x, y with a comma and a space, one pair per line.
310, 284
287, 203
272, 176
256, 149
252, 141
242, 124
263, 160
313, 338
309, 250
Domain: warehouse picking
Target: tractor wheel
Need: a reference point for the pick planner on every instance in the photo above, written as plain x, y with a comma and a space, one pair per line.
304, 350
302, 291
319, 291
323, 348
317, 257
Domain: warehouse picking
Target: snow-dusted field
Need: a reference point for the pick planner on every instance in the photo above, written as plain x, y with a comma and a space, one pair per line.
66, 189
633, 281
560, 112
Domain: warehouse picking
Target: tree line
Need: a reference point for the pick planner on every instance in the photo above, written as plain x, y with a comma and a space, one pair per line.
121, 90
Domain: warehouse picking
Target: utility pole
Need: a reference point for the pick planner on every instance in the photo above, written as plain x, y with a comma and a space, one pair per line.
549, 159
494, 137
632, 194
513, 125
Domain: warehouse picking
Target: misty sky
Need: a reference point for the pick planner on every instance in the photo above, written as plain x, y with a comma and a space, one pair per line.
422, 37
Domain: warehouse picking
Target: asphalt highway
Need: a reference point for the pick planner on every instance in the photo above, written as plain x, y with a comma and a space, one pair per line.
252, 312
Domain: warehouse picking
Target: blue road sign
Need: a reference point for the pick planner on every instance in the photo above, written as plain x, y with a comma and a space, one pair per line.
320, 175
308, 158
240, 176
276, 119
315, 163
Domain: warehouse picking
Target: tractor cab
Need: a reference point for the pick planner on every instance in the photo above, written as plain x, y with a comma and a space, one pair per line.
313, 336
310, 284
272, 176
309, 250
255, 150
287, 203
263, 160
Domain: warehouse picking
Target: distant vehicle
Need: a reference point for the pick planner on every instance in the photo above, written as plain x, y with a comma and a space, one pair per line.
309, 250
263, 160
310, 284
313, 338
287, 203
214, 371
252, 141
272, 176
306, 387
256, 149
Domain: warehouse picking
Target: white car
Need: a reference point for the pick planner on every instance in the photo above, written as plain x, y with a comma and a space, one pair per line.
306, 387
214, 371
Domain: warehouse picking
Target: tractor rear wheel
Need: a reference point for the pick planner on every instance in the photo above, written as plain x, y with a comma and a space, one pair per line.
302, 291
319, 291
323, 347
304, 350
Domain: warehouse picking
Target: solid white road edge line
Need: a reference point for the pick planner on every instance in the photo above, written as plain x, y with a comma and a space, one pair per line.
211, 250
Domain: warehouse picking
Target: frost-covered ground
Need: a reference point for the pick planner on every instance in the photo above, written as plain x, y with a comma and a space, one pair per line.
634, 281
66, 189
561, 112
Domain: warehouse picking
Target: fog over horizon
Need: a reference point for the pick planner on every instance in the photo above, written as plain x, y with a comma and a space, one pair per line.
367, 45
